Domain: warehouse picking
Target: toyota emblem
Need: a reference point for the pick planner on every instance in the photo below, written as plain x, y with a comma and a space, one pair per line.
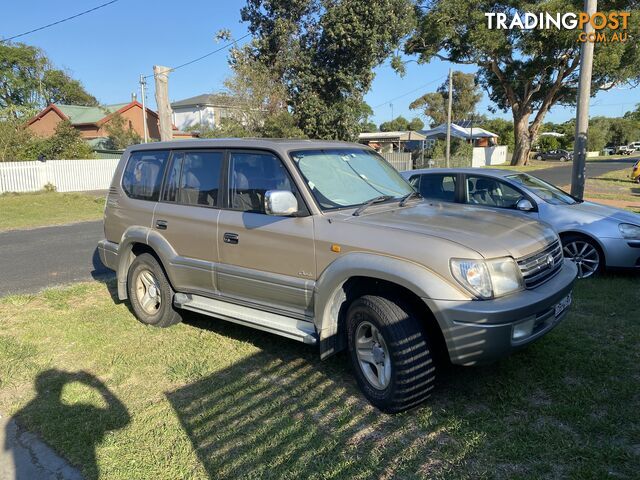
550, 262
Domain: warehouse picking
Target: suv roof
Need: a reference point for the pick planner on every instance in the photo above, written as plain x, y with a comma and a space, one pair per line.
282, 144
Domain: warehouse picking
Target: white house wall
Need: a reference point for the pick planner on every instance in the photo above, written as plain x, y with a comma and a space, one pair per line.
185, 117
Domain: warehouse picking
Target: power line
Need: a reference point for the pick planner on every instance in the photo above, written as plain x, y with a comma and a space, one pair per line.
223, 47
58, 22
412, 91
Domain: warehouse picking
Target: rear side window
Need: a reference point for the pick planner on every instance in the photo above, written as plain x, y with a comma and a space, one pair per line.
194, 178
143, 174
438, 187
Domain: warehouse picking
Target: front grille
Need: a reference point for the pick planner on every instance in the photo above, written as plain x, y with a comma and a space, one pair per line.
537, 268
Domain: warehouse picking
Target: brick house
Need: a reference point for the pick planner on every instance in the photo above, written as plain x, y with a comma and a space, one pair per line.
92, 122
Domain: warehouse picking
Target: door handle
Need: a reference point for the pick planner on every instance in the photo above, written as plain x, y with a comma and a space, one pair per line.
161, 224
231, 238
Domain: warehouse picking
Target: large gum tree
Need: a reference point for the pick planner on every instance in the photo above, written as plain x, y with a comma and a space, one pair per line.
525, 71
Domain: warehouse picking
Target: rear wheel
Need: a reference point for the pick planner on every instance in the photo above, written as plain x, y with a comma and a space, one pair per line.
390, 353
563, 159
150, 293
539, 157
584, 253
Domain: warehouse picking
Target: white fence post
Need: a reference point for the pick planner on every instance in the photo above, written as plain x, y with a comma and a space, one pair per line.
65, 175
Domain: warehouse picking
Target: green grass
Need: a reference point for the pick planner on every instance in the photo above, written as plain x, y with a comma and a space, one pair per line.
616, 185
530, 167
209, 399
38, 209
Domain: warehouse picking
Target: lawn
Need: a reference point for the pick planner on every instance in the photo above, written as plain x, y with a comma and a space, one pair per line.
38, 209
209, 399
614, 185
531, 166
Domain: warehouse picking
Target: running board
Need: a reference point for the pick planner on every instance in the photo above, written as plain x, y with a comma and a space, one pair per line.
269, 322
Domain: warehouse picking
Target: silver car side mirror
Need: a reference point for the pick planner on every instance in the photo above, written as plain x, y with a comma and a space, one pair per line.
524, 205
281, 203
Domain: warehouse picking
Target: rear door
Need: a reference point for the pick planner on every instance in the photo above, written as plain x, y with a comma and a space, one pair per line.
187, 217
265, 261
436, 186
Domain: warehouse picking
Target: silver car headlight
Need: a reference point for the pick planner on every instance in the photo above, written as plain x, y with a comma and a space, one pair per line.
488, 278
630, 231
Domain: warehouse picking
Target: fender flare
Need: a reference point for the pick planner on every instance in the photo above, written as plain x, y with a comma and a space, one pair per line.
329, 294
145, 236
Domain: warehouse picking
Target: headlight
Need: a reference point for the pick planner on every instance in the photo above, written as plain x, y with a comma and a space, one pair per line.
488, 278
628, 230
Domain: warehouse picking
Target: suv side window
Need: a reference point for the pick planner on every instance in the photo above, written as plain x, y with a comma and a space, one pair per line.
194, 178
438, 187
251, 174
491, 192
143, 174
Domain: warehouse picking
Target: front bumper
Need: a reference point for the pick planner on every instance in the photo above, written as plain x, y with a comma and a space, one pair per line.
621, 252
480, 331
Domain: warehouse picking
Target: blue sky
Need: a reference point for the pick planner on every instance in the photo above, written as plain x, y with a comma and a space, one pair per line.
108, 49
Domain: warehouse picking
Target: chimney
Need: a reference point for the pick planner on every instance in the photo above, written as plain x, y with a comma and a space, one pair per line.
134, 97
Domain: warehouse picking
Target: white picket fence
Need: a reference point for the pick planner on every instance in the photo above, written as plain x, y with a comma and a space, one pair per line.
65, 175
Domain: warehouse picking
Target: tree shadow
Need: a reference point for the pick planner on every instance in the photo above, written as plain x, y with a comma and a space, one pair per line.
74, 428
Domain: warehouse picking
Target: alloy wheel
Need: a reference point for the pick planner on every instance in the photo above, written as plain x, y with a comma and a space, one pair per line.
373, 355
148, 292
584, 255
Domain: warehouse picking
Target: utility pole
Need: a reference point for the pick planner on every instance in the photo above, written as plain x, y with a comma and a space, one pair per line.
582, 113
448, 154
143, 84
161, 76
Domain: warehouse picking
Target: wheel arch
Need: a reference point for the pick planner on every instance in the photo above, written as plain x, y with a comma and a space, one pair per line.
135, 241
356, 274
588, 236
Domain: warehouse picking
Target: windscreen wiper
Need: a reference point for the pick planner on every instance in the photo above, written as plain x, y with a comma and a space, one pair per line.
408, 197
368, 203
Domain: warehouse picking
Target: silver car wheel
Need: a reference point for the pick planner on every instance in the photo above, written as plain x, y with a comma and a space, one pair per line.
584, 255
148, 292
373, 355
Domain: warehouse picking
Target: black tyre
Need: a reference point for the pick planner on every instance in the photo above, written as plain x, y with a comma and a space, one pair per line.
585, 253
390, 353
539, 157
150, 293
563, 159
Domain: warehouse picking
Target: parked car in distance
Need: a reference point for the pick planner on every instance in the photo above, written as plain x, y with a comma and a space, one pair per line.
325, 243
562, 155
609, 150
594, 236
635, 146
635, 172
624, 150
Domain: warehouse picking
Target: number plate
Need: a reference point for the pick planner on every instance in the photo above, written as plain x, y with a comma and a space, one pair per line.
562, 305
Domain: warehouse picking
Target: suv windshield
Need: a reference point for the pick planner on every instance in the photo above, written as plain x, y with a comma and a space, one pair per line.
340, 178
544, 190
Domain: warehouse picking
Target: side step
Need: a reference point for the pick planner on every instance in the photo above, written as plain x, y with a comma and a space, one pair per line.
269, 322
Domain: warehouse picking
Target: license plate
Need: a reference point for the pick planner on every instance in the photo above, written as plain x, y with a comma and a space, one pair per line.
562, 305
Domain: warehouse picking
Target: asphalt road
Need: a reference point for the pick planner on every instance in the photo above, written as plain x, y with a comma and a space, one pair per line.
31, 260
561, 175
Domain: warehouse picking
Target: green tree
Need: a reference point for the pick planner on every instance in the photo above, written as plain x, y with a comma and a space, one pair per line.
120, 135
401, 124
465, 98
525, 71
28, 80
416, 124
624, 131
66, 143
323, 52
501, 127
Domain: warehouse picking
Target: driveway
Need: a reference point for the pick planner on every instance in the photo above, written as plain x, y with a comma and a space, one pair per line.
31, 260
561, 175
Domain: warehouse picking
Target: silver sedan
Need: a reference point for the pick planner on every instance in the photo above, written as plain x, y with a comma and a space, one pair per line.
594, 236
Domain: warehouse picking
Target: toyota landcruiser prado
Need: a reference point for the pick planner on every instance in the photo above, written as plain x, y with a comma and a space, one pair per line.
325, 243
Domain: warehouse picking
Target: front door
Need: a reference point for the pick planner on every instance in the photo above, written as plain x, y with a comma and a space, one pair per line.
265, 261
187, 217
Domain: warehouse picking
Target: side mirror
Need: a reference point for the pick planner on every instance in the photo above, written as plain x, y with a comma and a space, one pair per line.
281, 203
524, 205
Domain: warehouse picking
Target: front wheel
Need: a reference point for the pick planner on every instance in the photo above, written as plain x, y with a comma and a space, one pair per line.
390, 353
585, 254
150, 293
563, 159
